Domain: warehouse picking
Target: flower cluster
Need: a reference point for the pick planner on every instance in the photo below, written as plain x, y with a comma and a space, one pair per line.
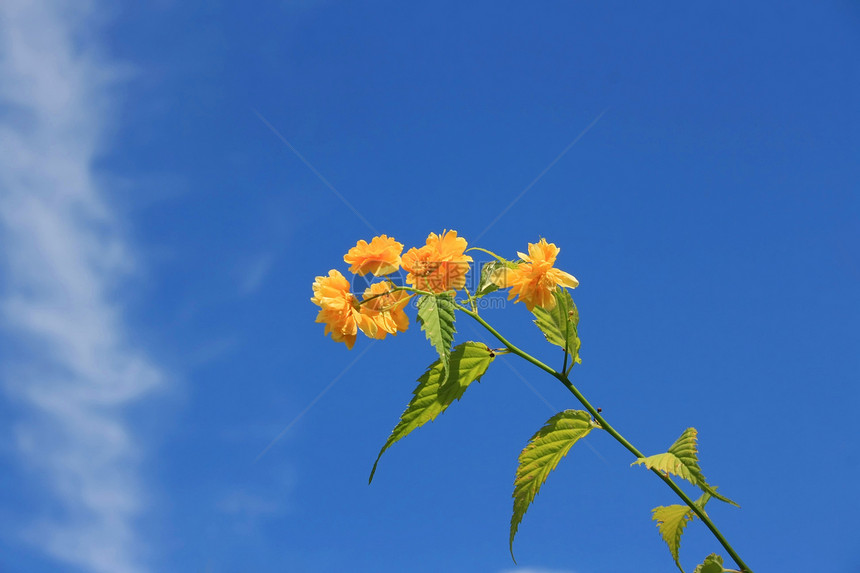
380, 312
439, 266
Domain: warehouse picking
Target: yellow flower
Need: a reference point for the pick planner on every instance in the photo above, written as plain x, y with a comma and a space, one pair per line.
380, 257
534, 281
439, 265
339, 309
385, 308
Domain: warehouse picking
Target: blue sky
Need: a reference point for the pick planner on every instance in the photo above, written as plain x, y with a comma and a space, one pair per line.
174, 175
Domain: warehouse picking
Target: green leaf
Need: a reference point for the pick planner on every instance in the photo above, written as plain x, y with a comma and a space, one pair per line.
559, 324
434, 393
543, 452
490, 271
486, 284
712, 491
682, 460
436, 315
713, 564
671, 521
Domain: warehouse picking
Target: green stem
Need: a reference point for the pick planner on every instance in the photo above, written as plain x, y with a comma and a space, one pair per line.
472, 300
562, 377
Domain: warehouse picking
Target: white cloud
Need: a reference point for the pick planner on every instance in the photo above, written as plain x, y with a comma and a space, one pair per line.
63, 257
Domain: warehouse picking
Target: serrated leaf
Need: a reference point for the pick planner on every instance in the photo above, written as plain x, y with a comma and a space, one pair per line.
682, 460
559, 325
436, 315
542, 454
434, 393
713, 564
671, 521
